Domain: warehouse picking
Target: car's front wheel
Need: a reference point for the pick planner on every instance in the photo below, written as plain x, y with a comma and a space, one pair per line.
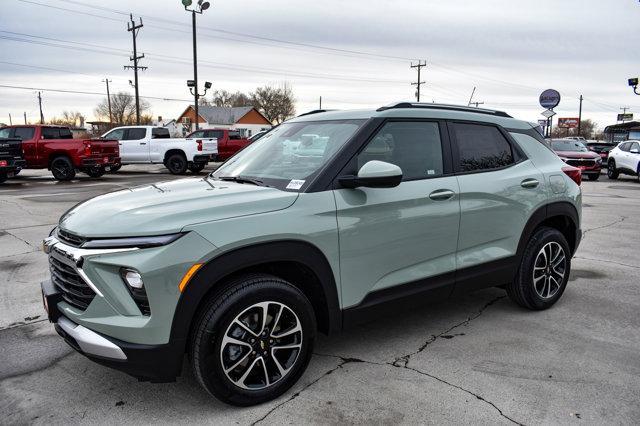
544, 270
62, 169
612, 172
254, 341
594, 176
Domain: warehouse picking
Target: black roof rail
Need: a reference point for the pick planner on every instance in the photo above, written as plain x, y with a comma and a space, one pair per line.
447, 107
316, 111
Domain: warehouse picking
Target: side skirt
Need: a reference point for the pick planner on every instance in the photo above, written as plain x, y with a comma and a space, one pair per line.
417, 294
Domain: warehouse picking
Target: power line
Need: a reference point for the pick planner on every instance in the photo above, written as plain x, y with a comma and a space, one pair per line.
166, 58
81, 92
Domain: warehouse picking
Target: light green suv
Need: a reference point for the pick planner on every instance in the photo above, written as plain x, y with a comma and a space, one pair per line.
329, 219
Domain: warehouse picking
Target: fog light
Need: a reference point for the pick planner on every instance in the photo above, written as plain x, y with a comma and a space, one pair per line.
132, 278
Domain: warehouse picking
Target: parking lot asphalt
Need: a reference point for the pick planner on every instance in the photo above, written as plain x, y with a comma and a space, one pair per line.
475, 359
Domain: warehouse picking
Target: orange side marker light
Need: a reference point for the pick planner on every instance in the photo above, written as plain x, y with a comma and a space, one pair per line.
188, 275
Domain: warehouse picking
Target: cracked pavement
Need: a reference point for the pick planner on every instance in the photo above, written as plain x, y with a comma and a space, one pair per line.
474, 359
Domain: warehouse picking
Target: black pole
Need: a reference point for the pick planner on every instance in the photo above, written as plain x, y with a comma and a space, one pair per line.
40, 104
580, 117
195, 67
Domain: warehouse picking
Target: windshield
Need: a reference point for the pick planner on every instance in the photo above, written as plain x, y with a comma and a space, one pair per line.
568, 145
290, 154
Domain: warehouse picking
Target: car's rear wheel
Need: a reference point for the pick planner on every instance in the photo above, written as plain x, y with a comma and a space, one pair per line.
95, 172
254, 341
612, 172
594, 176
62, 169
177, 164
544, 270
196, 167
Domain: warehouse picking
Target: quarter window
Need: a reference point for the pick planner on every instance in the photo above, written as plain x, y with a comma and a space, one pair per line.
635, 146
480, 147
415, 147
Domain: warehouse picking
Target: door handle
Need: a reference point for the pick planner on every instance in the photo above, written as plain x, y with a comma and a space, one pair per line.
529, 183
441, 194
143, 143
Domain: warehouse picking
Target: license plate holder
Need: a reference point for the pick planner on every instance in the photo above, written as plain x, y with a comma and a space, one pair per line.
50, 298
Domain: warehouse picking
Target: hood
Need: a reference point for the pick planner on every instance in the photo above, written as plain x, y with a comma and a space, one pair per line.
167, 207
575, 154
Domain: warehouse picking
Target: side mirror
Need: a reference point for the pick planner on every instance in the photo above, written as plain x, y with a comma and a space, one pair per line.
374, 174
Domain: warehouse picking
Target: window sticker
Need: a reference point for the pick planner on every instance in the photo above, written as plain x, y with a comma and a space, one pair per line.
295, 184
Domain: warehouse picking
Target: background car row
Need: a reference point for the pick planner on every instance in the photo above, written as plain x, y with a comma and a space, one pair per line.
55, 148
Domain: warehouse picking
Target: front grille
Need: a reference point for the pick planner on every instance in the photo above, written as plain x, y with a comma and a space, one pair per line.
73, 288
70, 239
581, 162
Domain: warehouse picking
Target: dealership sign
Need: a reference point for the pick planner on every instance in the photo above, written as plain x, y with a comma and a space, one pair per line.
625, 117
549, 98
568, 123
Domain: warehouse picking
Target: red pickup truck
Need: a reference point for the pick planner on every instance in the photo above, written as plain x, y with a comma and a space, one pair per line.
54, 148
229, 141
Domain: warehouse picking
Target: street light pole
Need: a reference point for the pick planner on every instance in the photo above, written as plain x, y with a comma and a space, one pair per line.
202, 6
195, 66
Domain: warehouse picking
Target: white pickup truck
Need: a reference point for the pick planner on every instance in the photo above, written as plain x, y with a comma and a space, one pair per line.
154, 145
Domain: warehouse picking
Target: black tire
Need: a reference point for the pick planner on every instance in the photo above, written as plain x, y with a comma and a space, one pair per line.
594, 177
114, 169
612, 172
196, 167
3, 177
95, 172
218, 319
523, 290
62, 169
177, 164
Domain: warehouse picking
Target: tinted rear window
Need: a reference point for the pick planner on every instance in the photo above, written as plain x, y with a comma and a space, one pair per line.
160, 133
481, 147
234, 135
136, 133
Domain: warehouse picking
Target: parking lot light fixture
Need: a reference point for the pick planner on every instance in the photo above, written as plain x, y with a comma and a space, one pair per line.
201, 7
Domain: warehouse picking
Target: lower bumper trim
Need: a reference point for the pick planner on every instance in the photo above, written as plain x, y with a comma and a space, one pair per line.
90, 342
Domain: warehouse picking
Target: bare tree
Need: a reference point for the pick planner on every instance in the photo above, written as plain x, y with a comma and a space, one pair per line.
123, 109
224, 98
276, 103
69, 118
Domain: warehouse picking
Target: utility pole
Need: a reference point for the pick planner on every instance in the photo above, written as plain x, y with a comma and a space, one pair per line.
40, 105
418, 83
580, 116
624, 111
320, 103
10, 122
106, 80
25, 117
134, 29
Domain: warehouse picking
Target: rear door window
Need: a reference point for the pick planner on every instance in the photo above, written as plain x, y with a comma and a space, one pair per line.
65, 133
198, 134
117, 134
234, 135
50, 133
218, 134
160, 133
480, 147
135, 133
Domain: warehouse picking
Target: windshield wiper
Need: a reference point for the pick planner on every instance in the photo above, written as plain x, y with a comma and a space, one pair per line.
242, 179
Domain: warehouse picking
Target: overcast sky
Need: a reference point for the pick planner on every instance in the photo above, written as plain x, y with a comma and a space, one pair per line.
355, 53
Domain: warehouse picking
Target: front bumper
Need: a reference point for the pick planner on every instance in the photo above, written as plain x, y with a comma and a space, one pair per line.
155, 363
12, 165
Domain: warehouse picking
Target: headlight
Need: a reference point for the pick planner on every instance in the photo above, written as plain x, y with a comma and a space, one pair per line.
135, 285
139, 242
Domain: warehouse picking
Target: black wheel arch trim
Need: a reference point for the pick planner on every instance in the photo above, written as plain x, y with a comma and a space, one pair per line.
209, 277
548, 211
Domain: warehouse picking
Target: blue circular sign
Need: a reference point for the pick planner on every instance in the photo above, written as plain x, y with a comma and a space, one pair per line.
549, 98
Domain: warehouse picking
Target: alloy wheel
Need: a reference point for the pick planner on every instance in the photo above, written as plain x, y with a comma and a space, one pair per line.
549, 270
261, 345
